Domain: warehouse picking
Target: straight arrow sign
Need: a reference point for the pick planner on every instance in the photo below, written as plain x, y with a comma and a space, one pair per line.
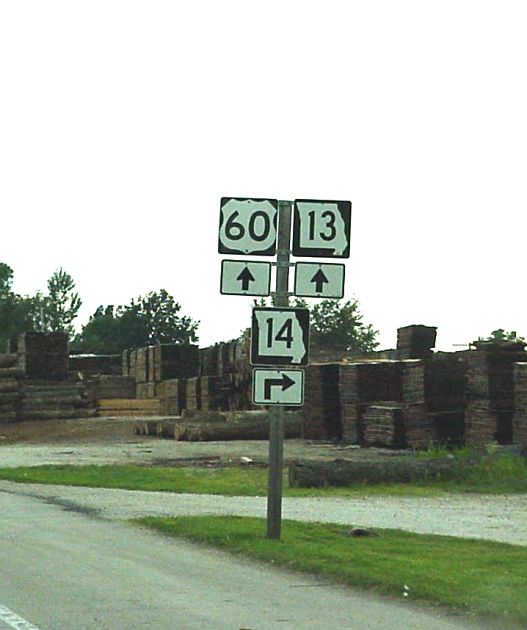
240, 277
323, 280
319, 279
246, 277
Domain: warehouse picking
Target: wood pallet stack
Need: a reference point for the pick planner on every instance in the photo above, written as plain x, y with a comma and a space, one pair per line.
415, 341
321, 412
110, 386
490, 392
519, 428
417, 424
48, 399
9, 387
384, 425
43, 356
128, 407
445, 384
173, 396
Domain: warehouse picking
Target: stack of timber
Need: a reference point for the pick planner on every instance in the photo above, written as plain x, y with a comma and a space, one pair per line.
92, 364
48, 399
321, 412
43, 356
415, 341
445, 385
519, 428
172, 394
173, 361
490, 392
107, 386
384, 425
216, 391
417, 424
125, 407
193, 392
9, 388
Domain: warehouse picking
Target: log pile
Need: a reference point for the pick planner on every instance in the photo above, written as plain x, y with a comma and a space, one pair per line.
490, 391
415, 341
48, 399
321, 412
10, 376
519, 429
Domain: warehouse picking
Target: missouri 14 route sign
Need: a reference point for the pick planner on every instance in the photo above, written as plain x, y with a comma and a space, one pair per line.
321, 228
248, 226
245, 278
324, 280
280, 336
278, 387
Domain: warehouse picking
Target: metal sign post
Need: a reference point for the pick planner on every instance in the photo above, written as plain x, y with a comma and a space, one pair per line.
276, 413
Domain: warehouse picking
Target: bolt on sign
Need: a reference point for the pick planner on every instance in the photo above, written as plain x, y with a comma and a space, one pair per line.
321, 228
280, 336
248, 226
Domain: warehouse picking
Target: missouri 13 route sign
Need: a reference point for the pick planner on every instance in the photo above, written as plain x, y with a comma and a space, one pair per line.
280, 336
278, 387
321, 228
248, 226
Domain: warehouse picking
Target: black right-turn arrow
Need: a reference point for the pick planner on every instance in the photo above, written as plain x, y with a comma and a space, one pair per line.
285, 382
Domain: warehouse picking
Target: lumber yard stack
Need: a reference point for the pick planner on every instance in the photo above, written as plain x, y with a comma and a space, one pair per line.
105, 386
93, 364
384, 425
445, 385
44, 399
10, 376
321, 412
42, 355
490, 391
415, 341
519, 425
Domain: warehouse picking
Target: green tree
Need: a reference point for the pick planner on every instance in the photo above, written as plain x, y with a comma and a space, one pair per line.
57, 310
150, 319
502, 335
16, 311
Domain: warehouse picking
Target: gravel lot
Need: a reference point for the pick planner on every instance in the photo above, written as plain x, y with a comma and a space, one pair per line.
499, 518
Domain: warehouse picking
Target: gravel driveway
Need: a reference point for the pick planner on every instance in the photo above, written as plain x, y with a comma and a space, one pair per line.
498, 518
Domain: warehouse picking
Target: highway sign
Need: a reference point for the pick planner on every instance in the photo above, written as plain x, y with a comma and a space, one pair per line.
248, 226
245, 278
278, 387
280, 336
325, 280
321, 228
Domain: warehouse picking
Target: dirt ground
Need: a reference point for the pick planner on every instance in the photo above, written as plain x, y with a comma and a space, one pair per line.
112, 440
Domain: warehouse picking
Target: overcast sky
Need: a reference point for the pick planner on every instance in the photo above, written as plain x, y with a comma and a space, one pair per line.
122, 124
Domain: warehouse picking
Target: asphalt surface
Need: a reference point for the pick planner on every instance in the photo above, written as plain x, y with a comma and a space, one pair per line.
63, 569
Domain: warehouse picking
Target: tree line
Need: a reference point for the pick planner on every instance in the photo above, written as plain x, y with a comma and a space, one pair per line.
152, 318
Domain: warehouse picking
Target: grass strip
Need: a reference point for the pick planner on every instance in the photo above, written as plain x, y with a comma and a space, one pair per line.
469, 576
498, 475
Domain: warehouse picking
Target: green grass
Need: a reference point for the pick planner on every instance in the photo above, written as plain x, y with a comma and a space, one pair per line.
470, 576
485, 474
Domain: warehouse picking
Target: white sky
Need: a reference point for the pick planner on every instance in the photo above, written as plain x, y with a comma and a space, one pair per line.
122, 124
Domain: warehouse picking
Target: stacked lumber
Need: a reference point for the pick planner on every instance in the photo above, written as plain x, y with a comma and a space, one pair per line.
141, 367
173, 395
490, 391
128, 407
108, 386
47, 399
193, 393
146, 390
321, 412
208, 358
216, 391
174, 361
417, 424
9, 388
43, 356
519, 429
93, 364
415, 341
384, 425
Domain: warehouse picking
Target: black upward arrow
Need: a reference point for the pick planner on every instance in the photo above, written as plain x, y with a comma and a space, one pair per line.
320, 279
245, 276
285, 382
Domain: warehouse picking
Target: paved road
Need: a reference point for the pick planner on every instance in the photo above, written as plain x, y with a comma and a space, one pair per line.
61, 569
